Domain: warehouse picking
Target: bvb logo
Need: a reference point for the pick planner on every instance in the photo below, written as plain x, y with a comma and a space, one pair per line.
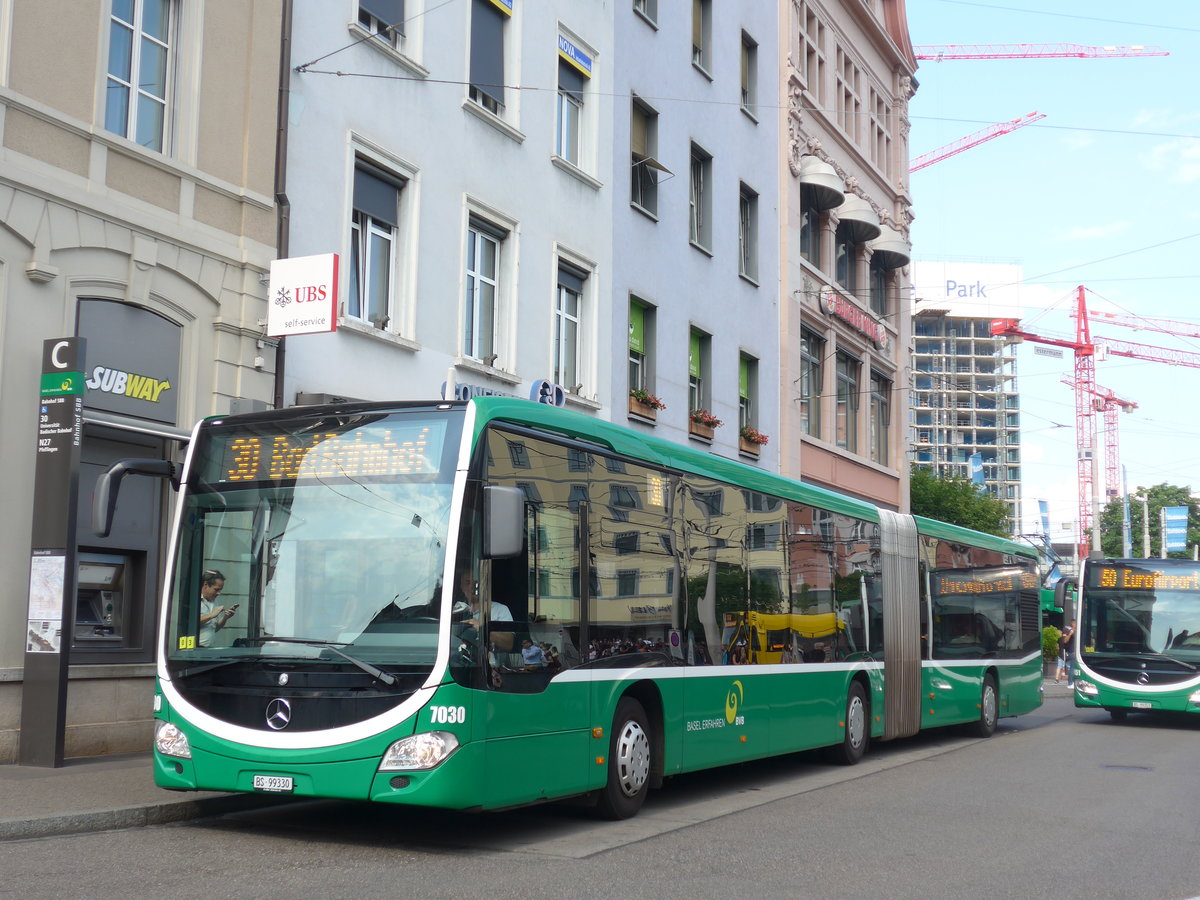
733, 701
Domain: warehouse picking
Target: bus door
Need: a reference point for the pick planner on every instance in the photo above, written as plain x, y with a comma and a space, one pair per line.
536, 715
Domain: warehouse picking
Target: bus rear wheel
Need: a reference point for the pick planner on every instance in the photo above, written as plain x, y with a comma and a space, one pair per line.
857, 735
989, 708
628, 762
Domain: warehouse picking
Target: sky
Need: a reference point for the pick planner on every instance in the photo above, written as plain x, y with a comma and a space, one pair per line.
1104, 192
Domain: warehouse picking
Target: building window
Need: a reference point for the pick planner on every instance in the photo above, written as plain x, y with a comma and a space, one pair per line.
845, 268
643, 144
881, 417
748, 233
811, 56
747, 392
568, 314
699, 356
702, 34
487, 54
384, 19
812, 353
373, 232
879, 286
141, 62
846, 403
647, 9
881, 136
700, 199
848, 97
570, 112
749, 74
481, 302
641, 345
810, 226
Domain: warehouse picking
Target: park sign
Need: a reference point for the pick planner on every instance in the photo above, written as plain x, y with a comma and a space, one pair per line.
303, 295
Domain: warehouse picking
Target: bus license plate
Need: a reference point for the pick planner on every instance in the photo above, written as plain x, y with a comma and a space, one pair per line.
1142, 704
276, 784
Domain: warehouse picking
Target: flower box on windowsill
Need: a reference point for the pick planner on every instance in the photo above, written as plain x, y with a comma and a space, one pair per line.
642, 410
749, 447
703, 432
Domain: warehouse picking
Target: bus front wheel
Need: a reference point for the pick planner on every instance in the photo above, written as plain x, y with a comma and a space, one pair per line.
1118, 715
628, 762
989, 708
857, 734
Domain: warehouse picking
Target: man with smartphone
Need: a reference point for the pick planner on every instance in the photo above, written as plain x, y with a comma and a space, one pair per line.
212, 617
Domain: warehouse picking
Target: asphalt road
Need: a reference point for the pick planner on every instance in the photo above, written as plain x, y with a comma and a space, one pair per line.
1062, 803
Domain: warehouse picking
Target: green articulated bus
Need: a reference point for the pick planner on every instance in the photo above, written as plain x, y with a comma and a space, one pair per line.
490, 603
1138, 636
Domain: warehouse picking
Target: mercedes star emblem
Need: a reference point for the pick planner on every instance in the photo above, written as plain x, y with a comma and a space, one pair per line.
279, 713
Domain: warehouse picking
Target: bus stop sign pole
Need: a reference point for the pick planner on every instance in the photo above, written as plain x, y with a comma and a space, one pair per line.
52, 566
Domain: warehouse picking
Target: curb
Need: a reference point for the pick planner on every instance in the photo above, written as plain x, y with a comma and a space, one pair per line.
130, 816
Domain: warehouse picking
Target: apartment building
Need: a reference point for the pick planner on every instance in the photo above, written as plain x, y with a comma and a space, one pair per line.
845, 213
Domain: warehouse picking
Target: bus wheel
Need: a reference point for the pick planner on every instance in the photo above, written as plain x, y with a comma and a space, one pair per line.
1118, 715
857, 735
989, 708
628, 762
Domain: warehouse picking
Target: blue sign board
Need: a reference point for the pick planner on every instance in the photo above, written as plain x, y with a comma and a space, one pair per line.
1174, 525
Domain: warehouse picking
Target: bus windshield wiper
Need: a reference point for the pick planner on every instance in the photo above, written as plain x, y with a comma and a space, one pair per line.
374, 671
1170, 658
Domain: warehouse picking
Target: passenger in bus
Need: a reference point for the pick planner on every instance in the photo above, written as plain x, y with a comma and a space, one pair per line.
212, 617
466, 611
532, 655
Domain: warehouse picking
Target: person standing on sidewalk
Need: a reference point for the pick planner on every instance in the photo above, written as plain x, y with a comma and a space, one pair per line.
1064, 656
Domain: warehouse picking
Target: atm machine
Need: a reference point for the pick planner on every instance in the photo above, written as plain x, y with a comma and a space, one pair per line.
100, 604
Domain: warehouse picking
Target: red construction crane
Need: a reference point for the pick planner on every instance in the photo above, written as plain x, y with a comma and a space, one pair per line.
939, 52
973, 140
1086, 351
1104, 400
1141, 323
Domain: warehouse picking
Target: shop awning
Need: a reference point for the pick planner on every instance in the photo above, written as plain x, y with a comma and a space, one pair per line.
890, 248
856, 215
824, 182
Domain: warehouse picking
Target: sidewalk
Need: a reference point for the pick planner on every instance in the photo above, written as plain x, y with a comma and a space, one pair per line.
101, 793
105, 792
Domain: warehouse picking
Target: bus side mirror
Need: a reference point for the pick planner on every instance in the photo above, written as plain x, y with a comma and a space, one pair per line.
108, 485
1064, 598
503, 521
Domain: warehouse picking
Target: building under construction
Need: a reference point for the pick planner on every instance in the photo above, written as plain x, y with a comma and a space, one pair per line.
966, 416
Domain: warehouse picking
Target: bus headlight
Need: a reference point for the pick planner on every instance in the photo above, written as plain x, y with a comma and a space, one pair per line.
170, 741
1195, 698
421, 751
1086, 688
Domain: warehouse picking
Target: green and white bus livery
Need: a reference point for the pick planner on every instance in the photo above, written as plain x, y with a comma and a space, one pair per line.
1138, 636
483, 604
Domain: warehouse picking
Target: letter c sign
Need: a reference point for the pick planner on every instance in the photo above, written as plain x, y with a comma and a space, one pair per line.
54, 351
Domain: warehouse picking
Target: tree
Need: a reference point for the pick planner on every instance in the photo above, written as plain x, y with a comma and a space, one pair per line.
957, 501
1157, 497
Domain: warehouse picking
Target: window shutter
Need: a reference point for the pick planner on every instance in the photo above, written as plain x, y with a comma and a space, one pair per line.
487, 50
376, 193
389, 12
570, 81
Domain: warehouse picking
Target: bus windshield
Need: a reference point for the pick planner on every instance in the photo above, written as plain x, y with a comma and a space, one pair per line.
321, 540
1135, 607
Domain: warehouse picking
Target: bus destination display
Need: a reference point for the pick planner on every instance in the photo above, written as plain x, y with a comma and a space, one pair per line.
982, 582
381, 450
1124, 578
